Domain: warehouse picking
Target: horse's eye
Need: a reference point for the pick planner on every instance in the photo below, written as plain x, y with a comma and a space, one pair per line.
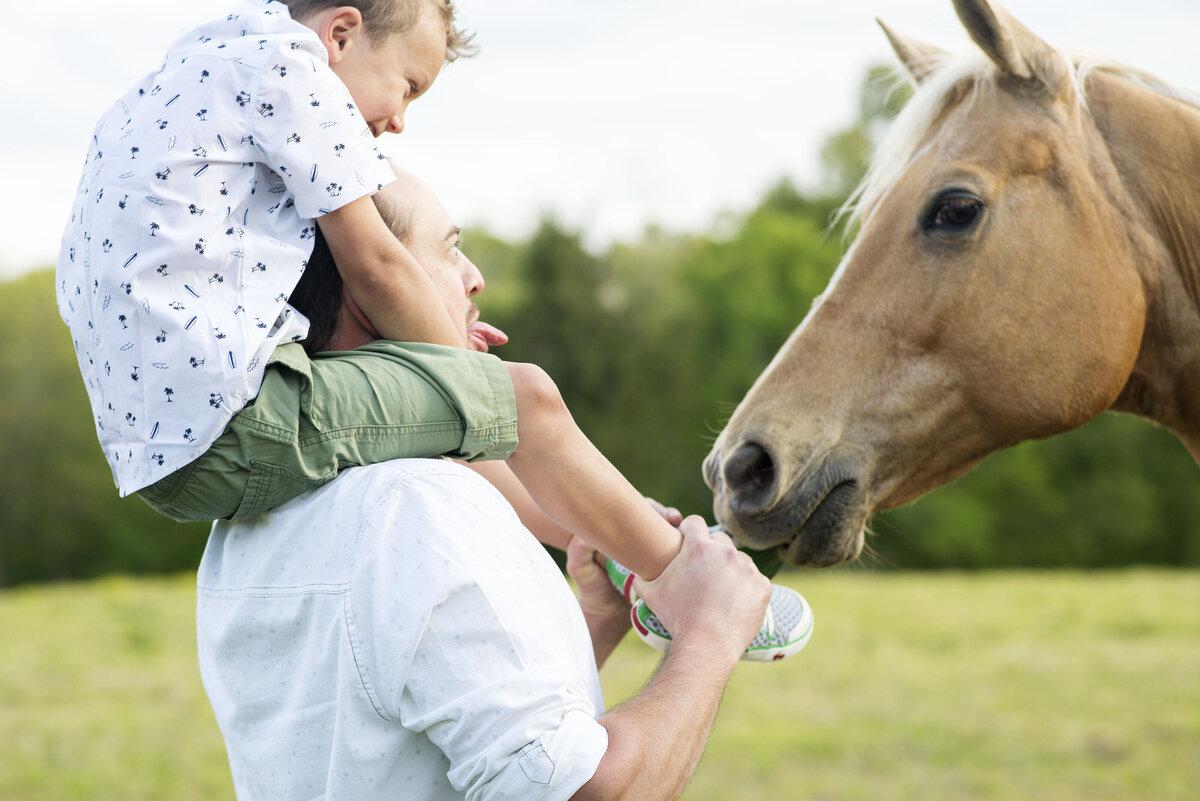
952, 213
956, 212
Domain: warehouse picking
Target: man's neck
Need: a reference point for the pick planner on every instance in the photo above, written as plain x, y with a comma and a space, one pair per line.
349, 333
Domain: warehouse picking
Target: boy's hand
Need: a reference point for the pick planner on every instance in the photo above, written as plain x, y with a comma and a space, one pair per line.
711, 594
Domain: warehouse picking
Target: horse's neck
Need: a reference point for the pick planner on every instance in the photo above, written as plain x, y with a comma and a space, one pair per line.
1154, 143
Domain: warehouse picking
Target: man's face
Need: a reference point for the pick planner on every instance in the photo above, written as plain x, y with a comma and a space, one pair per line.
434, 243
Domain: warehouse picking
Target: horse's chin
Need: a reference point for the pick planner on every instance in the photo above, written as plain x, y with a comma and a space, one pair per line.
805, 551
824, 536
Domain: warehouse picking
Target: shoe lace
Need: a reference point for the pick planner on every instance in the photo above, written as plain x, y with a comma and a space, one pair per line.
769, 631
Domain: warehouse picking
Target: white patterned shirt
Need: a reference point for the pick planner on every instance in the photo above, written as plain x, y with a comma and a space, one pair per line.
396, 634
193, 222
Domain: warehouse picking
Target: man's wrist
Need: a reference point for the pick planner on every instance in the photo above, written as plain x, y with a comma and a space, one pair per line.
608, 623
606, 631
713, 649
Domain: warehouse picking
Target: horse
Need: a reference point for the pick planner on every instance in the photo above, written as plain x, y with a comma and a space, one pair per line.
1027, 256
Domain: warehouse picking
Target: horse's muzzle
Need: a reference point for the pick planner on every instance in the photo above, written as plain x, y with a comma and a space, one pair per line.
817, 519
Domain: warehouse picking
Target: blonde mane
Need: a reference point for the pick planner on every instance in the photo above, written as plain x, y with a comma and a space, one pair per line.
952, 77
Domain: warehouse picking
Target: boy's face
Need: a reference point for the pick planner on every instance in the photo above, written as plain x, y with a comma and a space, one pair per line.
384, 78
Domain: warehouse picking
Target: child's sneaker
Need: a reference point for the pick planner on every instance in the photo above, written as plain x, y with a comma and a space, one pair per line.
786, 630
622, 579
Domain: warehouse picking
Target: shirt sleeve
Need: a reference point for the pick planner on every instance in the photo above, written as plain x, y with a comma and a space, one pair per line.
311, 133
481, 651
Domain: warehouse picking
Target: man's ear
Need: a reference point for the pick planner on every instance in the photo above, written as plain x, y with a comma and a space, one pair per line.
339, 30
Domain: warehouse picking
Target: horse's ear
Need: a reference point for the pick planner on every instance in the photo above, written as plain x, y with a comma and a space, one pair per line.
1012, 47
918, 58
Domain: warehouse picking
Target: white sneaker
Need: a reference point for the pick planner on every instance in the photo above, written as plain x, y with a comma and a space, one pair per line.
786, 629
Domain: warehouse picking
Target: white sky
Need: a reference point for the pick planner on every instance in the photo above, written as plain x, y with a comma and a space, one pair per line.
608, 113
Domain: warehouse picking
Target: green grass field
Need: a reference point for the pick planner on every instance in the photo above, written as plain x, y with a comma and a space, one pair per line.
915, 686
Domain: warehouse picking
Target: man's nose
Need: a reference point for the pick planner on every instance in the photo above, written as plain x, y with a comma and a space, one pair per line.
472, 278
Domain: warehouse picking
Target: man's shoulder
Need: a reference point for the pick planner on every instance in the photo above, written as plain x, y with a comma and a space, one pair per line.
434, 512
367, 517
440, 492
408, 474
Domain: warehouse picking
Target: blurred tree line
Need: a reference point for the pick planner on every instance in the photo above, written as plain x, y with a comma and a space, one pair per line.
652, 343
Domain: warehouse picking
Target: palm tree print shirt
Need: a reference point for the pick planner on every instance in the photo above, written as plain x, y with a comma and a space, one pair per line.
193, 222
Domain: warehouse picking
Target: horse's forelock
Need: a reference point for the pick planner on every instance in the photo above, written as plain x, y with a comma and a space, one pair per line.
909, 128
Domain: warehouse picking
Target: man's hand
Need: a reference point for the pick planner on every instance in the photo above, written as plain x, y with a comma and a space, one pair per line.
712, 599
710, 593
604, 609
597, 595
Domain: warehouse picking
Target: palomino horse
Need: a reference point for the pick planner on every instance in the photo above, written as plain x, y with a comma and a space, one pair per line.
1028, 257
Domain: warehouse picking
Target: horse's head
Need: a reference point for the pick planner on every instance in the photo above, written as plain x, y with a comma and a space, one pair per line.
991, 296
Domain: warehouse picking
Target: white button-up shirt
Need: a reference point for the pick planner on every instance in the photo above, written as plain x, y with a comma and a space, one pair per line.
192, 224
396, 634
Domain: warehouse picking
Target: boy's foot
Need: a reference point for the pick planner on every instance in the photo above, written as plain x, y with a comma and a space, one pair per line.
622, 579
786, 630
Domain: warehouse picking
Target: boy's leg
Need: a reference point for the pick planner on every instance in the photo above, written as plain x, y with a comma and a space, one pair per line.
314, 417
577, 486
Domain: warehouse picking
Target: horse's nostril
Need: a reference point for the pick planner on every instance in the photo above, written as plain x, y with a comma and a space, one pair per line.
711, 470
750, 477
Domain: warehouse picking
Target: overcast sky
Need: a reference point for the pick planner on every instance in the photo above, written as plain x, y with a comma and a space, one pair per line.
608, 113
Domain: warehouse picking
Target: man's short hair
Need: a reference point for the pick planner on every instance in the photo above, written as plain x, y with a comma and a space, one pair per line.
318, 295
382, 18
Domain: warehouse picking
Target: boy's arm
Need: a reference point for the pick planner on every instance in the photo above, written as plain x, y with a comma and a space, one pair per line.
541, 525
387, 283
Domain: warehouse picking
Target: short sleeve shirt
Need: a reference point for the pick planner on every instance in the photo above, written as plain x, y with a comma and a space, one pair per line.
192, 224
396, 634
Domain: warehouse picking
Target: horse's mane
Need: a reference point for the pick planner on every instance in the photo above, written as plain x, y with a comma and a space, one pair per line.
939, 89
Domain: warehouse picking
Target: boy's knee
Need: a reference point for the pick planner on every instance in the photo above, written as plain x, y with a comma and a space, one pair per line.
537, 395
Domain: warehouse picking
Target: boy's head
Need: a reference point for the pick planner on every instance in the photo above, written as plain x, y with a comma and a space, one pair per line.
387, 52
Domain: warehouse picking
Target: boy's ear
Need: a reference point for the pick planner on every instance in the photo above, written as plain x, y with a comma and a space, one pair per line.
340, 29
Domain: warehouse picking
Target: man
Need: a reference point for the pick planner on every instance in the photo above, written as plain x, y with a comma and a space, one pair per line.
398, 632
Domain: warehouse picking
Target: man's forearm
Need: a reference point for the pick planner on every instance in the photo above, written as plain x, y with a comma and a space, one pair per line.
655, 739
606, 631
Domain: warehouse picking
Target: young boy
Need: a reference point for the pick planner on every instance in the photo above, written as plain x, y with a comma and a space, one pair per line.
195, 216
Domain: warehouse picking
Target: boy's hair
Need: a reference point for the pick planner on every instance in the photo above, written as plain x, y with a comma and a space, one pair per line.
318, 295
382, 18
